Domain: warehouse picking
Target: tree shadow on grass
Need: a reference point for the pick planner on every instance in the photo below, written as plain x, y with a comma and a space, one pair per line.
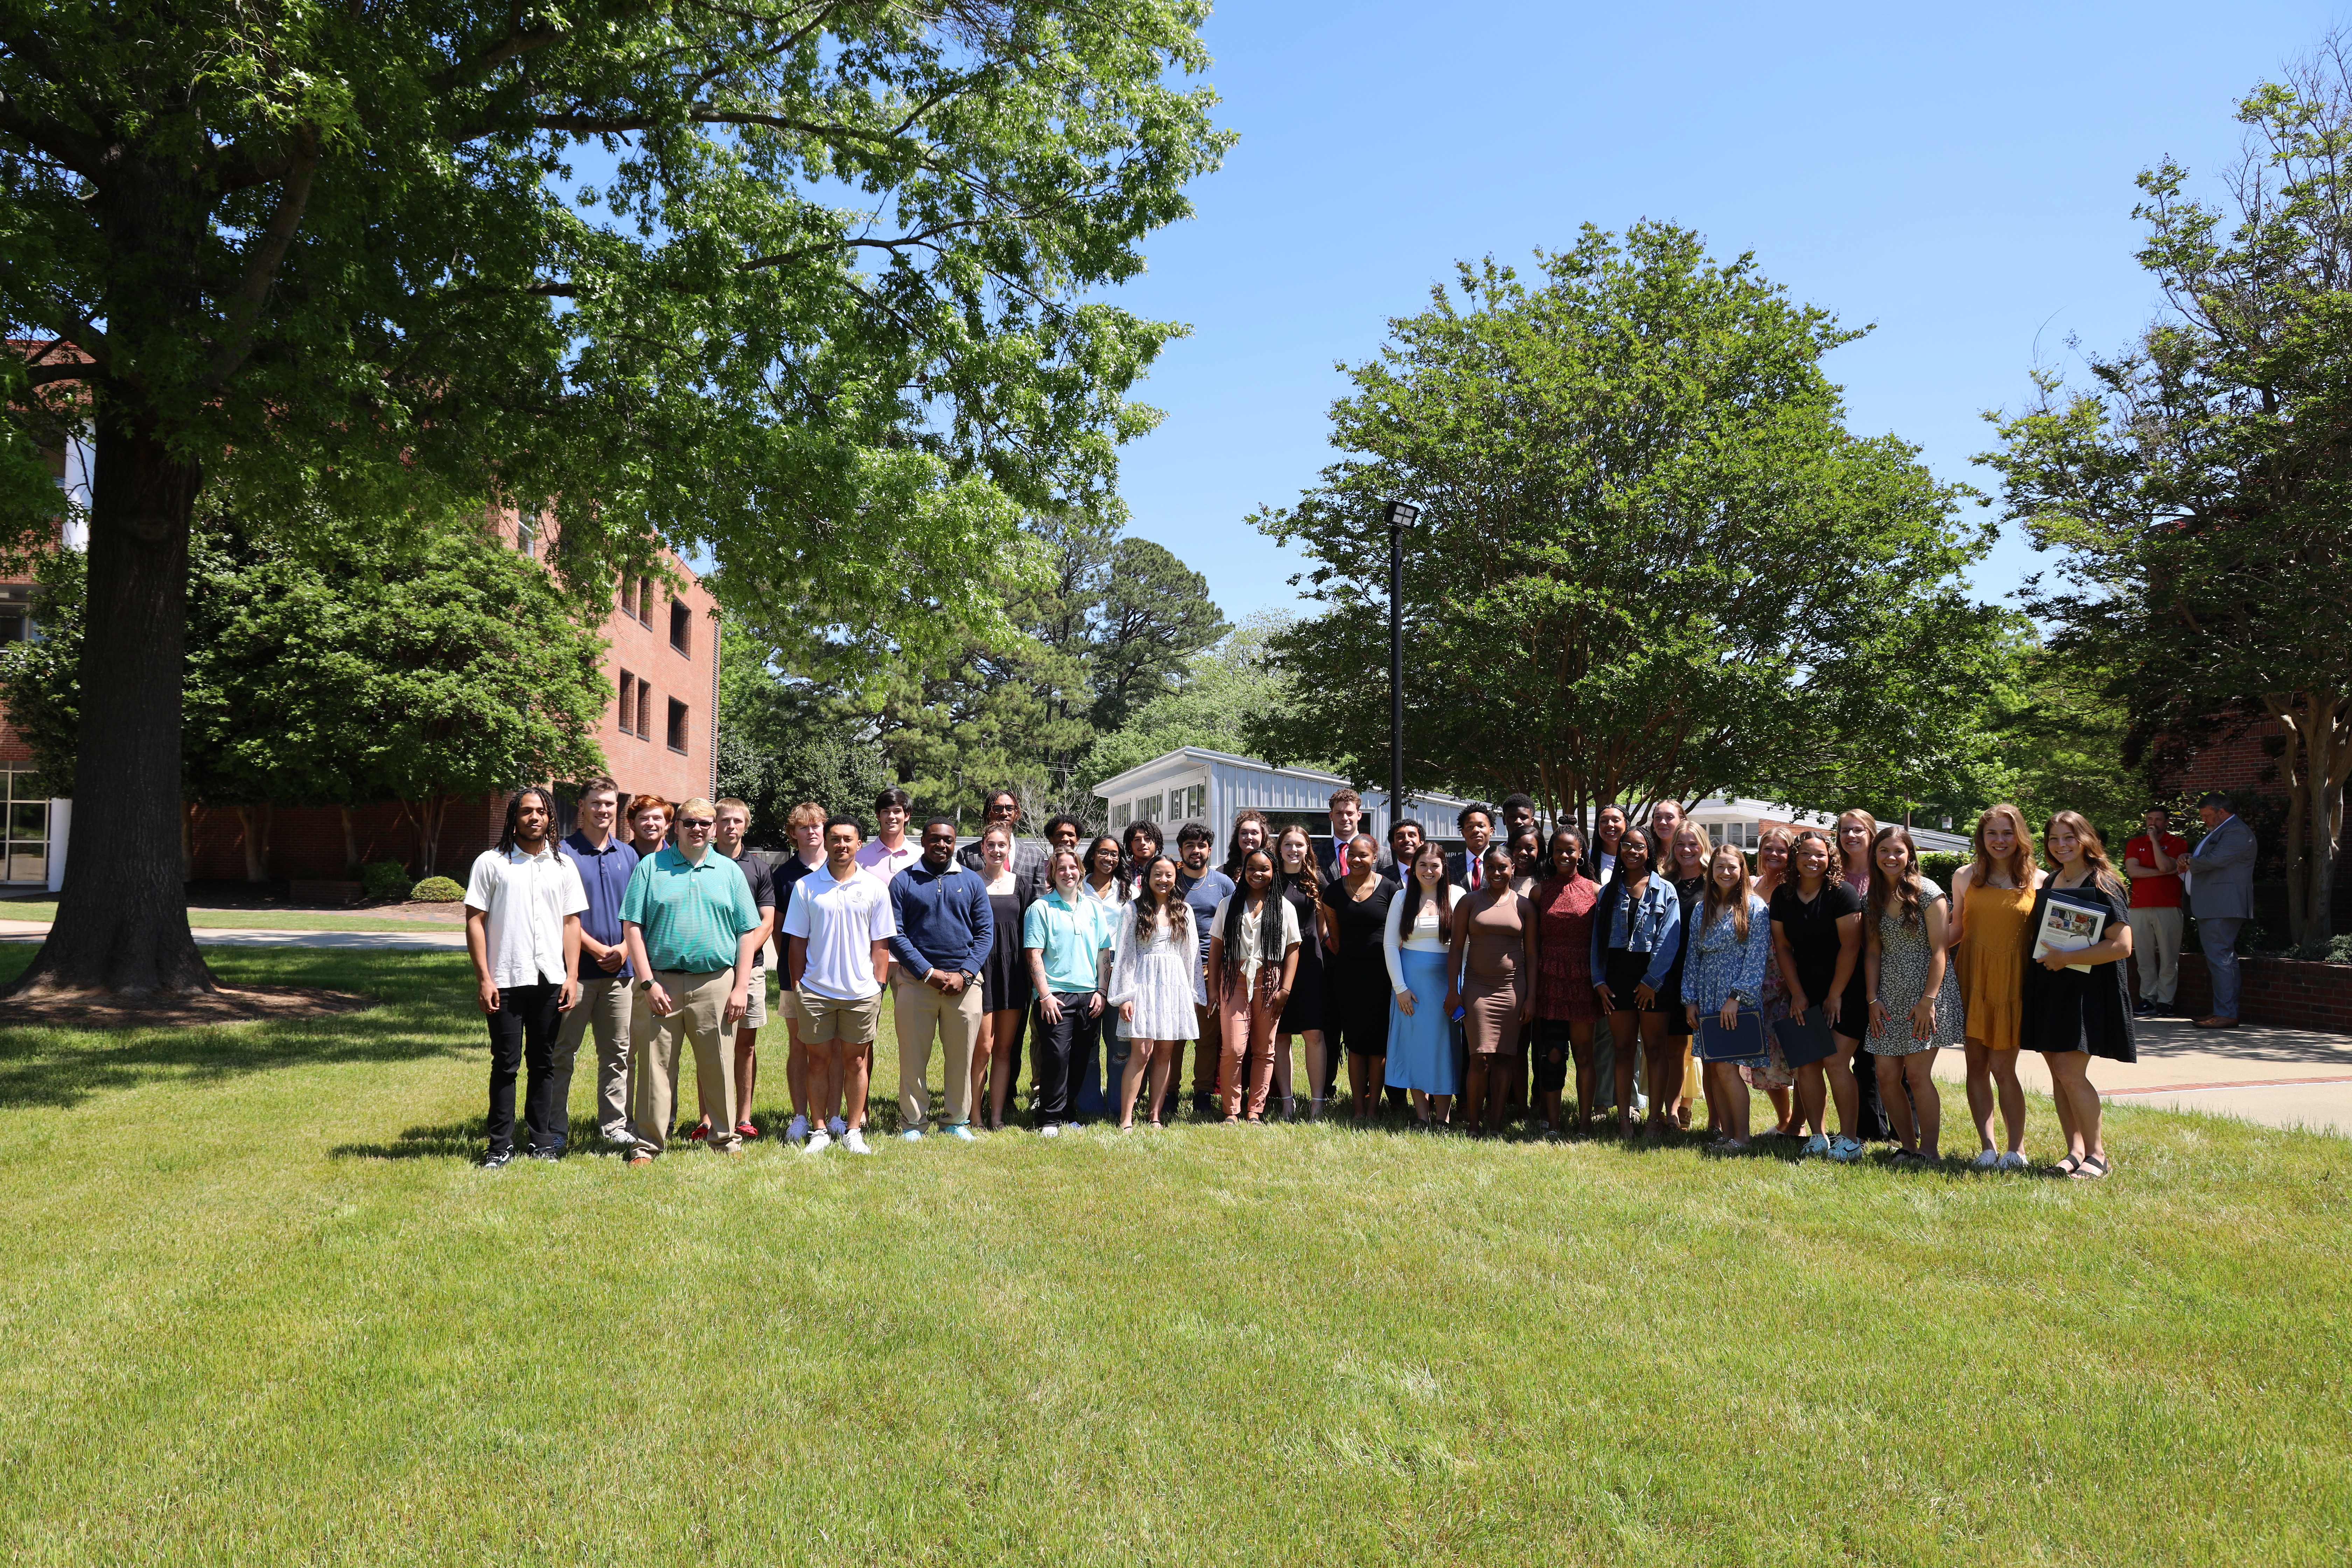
424, 1011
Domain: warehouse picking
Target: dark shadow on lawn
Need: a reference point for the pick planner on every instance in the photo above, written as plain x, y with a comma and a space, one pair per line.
425, 1011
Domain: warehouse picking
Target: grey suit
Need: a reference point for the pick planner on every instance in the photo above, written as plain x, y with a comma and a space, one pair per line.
2222, 894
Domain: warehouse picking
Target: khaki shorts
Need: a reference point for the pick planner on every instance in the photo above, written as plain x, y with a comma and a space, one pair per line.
788, 1002
822, 1018
755, 1002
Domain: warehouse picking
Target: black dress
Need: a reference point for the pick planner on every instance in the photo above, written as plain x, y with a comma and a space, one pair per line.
1813, 942
1356, 974
1690, 891
2072, 1009
1004, 977
1304, 1011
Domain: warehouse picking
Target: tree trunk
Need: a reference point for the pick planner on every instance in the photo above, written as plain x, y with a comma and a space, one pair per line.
351, 842
122, 918
257, 821
188, 810
2327, 760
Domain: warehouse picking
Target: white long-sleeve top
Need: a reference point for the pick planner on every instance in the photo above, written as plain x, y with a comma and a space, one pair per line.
1423, 938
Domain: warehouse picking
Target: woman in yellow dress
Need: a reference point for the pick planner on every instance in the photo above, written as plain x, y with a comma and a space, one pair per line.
1993, 902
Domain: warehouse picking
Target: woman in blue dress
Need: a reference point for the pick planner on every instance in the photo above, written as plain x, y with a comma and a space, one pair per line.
1727, 948
1421, 1036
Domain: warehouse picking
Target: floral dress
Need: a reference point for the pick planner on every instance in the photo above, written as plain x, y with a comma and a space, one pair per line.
1903, 959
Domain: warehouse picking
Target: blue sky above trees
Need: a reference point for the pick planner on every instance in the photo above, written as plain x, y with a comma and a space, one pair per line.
1960, 177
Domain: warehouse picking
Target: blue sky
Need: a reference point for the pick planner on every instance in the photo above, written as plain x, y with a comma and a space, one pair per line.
1960, 177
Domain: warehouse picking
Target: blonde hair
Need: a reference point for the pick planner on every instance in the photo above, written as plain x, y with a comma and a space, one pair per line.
687, 808
1706, 849
2020, 857
1715, 895
1837, 840
808, 814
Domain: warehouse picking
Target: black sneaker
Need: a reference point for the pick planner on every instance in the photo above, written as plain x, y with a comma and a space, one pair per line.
550, 1156
2142, 1007
497, 1160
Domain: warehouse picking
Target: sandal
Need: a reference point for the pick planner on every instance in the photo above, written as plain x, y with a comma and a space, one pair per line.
2065, 1167
2092, 1168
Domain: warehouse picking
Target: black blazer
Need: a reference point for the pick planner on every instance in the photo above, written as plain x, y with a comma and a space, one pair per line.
1457, 867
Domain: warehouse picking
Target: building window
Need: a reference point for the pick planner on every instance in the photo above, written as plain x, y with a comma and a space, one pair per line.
628, 707
1121, 814
677, 726
27, 851
681, 627
1196, 802
1738, 835
645, 710
526, 536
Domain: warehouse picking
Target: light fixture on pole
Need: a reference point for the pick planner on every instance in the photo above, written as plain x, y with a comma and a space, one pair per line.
1401, 515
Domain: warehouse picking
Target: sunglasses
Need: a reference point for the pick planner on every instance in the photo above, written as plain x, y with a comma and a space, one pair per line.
695, 822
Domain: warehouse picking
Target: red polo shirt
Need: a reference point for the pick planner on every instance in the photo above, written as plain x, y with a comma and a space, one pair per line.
2155, 892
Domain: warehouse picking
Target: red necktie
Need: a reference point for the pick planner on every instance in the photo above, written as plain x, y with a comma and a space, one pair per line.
1339, 858
1476, 881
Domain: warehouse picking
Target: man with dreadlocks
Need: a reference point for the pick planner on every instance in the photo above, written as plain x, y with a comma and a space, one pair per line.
523, 904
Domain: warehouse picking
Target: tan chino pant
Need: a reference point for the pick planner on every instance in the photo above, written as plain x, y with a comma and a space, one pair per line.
699, 1009
917, 1010
603, 1008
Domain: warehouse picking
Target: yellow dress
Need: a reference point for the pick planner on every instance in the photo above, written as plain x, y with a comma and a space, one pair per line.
1993, 963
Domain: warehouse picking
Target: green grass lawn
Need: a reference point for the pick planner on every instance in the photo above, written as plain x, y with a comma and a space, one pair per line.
258, 1307
254, 919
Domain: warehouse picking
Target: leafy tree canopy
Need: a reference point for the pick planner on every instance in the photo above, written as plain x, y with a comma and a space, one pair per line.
2200, 488
1651, 561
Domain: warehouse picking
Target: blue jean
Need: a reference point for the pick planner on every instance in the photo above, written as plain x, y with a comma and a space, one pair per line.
2218, 938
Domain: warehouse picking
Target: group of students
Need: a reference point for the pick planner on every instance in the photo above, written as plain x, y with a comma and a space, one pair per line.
1462, 987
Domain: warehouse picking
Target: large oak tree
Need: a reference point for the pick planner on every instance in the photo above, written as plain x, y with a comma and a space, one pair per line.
823, 302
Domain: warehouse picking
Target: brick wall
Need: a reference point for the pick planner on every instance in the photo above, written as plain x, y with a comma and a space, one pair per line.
2285, 992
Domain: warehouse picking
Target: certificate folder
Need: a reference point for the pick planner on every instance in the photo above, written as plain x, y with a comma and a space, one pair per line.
1744, 1038
1804, 1039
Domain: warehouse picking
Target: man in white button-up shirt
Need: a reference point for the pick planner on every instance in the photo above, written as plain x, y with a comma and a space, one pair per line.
523, 904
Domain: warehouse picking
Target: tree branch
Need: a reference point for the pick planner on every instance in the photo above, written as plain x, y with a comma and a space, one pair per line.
76, 329
515, 43
261, 266
85, 155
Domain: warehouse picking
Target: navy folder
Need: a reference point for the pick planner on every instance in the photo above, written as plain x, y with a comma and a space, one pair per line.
1804, 1039
1744, 1038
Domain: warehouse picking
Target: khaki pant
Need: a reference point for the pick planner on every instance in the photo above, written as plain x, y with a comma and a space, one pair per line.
2155, 949
917, 1010
603, 1006
698, 1014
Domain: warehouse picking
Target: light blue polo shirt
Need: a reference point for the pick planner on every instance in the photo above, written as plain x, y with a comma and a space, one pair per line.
691, 915
1069, 939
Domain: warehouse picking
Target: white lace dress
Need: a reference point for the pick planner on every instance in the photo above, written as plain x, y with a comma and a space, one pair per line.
1158, 977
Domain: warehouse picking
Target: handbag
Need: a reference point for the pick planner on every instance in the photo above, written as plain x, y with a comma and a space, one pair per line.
1804, 1039
1744, 1038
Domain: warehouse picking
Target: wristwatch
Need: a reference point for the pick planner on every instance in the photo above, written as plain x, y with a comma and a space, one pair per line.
644, 984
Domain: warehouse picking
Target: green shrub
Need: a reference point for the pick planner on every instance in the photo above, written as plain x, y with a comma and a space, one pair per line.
385, 880
1940, 866
437, 890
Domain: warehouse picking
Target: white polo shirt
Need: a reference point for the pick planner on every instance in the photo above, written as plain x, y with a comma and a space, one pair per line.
842, 922
524, 899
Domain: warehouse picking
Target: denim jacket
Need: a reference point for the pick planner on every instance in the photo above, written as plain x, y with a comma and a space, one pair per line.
1653, 925
1721, 965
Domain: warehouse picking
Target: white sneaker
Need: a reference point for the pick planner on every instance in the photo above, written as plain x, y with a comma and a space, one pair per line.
1816, 1145
1050, 1129
836, 1126
1845, 1149
1986, 1160
798, 1131
854, 1141
819, 1140
2011, 1160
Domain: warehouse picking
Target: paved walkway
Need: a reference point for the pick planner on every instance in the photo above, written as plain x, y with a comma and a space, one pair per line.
425, 939
2280, 1078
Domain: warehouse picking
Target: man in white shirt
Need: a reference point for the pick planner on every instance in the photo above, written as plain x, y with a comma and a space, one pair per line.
523, 903
836, 961
892, 851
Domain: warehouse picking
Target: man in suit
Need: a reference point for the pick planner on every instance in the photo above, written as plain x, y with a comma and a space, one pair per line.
1003, 809
1404, 843
2222, 894
1463, 867
1347, 814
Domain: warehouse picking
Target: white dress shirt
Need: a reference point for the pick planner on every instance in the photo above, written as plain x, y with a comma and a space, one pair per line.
523, 899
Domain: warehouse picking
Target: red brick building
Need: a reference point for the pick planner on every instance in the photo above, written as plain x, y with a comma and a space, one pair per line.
661, 670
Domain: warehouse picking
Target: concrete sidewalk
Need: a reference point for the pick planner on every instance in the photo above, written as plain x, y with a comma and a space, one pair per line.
2280, 1078
424, 940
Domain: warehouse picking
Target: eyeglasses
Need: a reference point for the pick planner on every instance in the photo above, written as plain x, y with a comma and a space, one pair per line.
694, 822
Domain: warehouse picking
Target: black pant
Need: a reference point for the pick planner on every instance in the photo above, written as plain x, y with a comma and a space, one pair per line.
523, 1030
1062, 1050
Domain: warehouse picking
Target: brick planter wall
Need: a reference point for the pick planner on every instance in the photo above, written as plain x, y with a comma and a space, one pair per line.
2285, 992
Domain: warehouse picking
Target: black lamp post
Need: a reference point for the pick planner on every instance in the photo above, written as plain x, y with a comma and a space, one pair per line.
1400, 516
